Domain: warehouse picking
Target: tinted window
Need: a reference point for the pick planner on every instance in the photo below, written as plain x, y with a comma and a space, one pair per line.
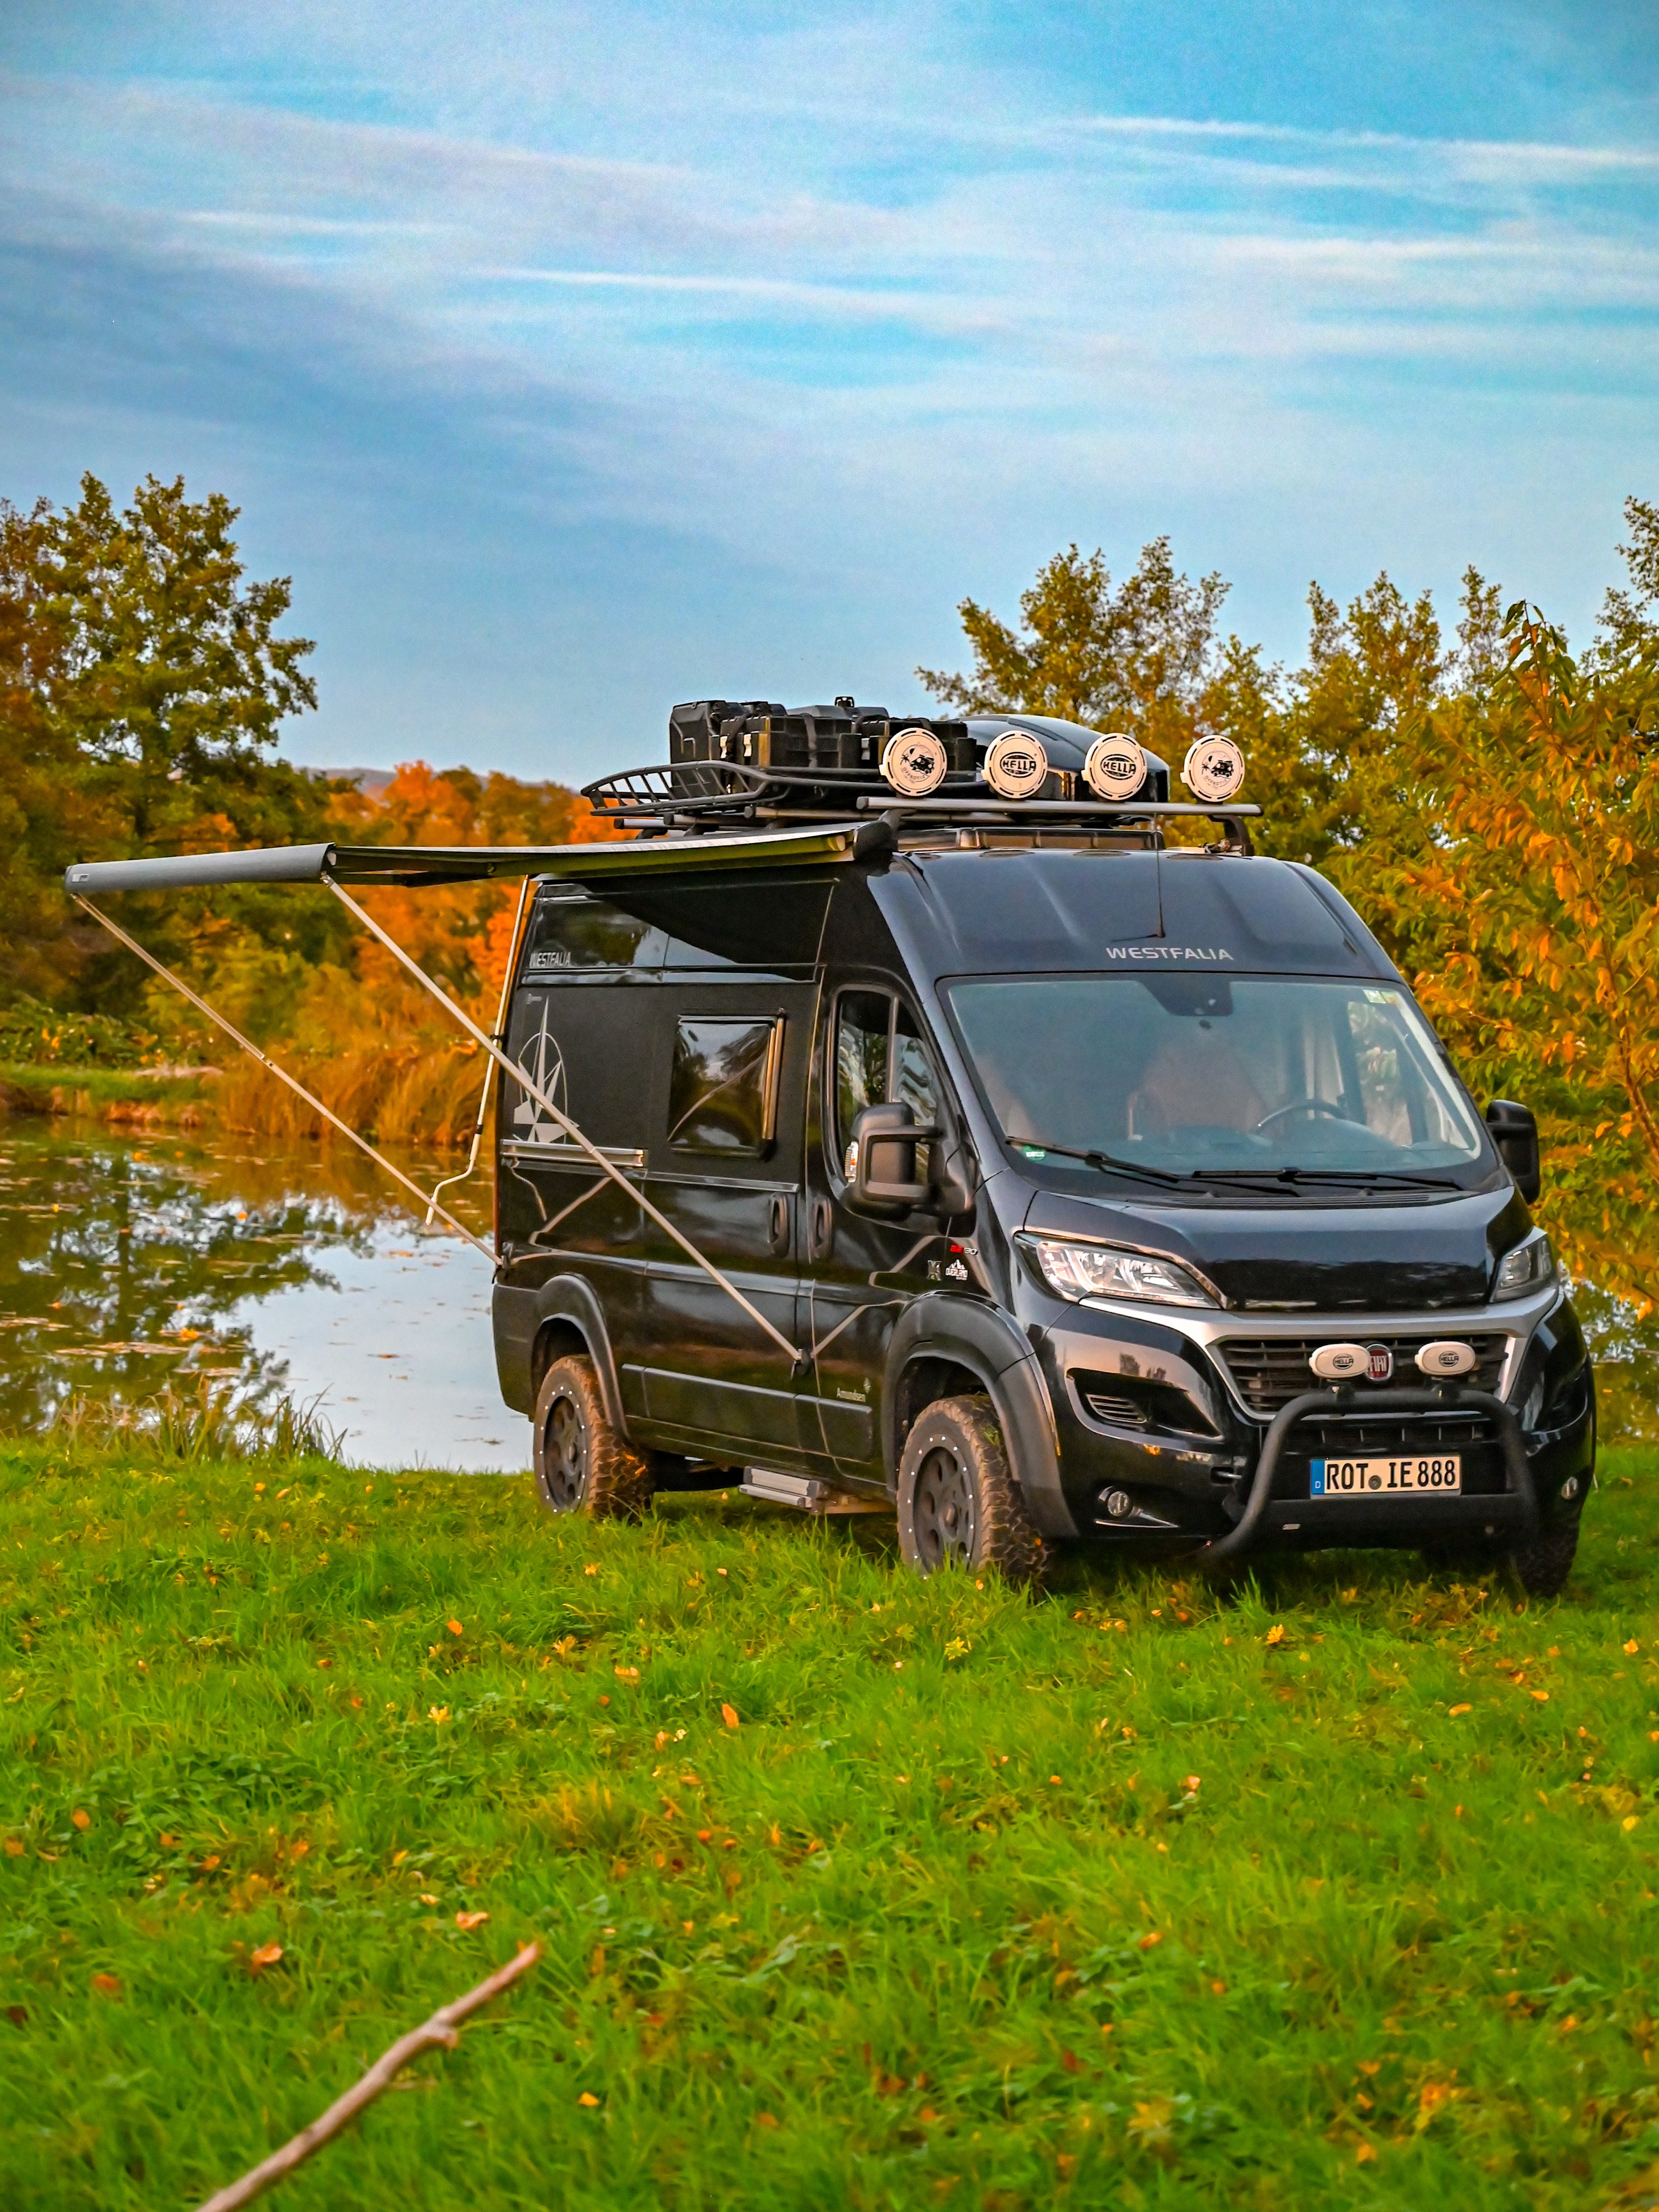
567, 933
723, 1091
879, 1055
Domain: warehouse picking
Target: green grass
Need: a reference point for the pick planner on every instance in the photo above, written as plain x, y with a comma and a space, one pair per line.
942, 1920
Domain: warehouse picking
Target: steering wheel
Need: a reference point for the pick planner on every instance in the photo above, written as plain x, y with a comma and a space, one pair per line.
1311, 1106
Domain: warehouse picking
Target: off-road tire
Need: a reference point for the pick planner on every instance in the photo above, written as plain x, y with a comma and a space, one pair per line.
582, 1465
958, 1503
1541, 1567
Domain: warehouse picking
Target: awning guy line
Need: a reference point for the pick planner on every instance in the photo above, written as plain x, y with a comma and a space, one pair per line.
282, 1076
535, 1092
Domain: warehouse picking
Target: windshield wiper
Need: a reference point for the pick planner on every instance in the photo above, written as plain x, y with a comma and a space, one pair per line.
1395, 1176
1108, 1162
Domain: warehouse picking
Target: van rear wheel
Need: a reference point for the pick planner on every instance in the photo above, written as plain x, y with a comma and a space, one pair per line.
582, 1464
958, 1503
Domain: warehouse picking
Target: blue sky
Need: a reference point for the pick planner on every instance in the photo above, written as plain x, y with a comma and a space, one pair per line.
574, 360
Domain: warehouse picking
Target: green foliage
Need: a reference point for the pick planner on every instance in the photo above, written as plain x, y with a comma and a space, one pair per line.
143, 681
945, 1917
34, 1034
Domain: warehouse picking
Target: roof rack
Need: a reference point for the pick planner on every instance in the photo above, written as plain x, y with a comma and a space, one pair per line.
693, 798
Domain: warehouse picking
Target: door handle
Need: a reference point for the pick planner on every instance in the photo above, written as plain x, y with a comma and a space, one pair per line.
823, 1229
778, 1229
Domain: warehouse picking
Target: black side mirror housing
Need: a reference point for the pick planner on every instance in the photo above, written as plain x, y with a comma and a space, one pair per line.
885, 1141
1515, 1132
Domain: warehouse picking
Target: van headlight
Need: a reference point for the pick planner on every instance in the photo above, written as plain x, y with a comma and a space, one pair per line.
1104, 1270
1525, 1268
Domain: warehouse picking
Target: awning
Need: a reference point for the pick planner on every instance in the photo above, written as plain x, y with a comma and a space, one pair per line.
416, 865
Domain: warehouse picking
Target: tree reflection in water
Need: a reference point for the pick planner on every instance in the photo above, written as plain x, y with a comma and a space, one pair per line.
120, 1260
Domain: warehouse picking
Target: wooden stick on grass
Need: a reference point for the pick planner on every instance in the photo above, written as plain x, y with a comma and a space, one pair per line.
440, 2029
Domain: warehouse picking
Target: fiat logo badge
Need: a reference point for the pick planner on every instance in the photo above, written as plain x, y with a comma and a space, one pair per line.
1379, 1362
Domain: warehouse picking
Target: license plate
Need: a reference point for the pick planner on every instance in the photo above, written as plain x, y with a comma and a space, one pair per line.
1387, 1478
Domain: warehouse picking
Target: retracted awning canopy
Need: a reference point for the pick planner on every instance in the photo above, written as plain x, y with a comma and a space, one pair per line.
419, 866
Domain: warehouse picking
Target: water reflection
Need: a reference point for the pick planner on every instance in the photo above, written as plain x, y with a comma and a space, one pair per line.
128, 1264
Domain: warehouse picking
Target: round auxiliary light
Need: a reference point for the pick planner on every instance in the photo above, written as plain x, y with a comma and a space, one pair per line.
1337, 1362
1446, 1357
1016, 766
914, 761
1114, 768
1213, 769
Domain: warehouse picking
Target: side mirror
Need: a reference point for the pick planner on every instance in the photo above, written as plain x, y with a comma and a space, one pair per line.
884, 1160
1513, 1131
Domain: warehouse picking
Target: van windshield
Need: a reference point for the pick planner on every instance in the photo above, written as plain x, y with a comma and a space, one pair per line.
1218, 1079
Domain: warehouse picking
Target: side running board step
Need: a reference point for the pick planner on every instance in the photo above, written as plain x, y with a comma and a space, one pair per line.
806, 1494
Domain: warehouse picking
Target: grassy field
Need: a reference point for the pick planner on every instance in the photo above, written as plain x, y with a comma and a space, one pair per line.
854, 1891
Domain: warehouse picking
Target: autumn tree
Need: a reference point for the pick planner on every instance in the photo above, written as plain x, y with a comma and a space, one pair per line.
143, 679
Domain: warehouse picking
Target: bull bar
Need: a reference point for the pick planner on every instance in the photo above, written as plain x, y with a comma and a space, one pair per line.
1514, 1510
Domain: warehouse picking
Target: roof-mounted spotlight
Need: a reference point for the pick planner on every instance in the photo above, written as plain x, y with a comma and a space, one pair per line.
1214, 768
1115, 767
914, 761
1016, 765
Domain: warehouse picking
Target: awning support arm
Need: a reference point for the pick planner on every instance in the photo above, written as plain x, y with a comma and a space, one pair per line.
534, 1090
282, 1076
499, 1032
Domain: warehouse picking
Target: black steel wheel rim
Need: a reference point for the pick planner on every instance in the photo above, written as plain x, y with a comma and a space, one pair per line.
942, 1515
564, 1457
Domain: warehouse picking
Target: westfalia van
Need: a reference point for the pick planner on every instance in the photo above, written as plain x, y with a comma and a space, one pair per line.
986, 1157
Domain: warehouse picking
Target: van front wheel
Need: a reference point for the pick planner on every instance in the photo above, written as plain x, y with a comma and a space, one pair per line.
958, 1503
582, 1464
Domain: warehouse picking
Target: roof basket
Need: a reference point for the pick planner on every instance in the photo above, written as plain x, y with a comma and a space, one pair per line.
839, 739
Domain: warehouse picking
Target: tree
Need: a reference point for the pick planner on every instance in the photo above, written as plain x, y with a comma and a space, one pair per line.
142, 682
1529, 919
1138, 658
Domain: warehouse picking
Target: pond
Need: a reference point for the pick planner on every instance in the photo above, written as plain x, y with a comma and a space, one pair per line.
130, 1263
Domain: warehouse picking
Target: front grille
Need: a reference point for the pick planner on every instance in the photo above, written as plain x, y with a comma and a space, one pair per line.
1268, 1371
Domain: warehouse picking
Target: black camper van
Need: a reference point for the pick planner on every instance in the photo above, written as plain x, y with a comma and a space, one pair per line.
973, 1150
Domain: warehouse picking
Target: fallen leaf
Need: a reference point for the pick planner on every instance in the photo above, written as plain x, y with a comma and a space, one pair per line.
467, 1920
454, 1628
1455, 1710
728, 1714
1365, 2153
1542, 1696
588, 2097
427, 1897
1275, 1635
1190, 1783
1631, 1649
83, 1820
1071, 2062
15, 1847
765, 2120
266, 1955
1628, 1822
209, 1862
108, 1985
1153, 1937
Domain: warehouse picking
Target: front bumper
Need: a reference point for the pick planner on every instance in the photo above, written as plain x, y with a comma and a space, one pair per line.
1152, 1413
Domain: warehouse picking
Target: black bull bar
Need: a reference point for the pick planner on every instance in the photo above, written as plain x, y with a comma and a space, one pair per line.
1512, 1512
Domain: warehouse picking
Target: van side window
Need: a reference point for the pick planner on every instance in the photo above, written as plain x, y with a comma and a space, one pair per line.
879, 1056
723, 1091
569, 933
